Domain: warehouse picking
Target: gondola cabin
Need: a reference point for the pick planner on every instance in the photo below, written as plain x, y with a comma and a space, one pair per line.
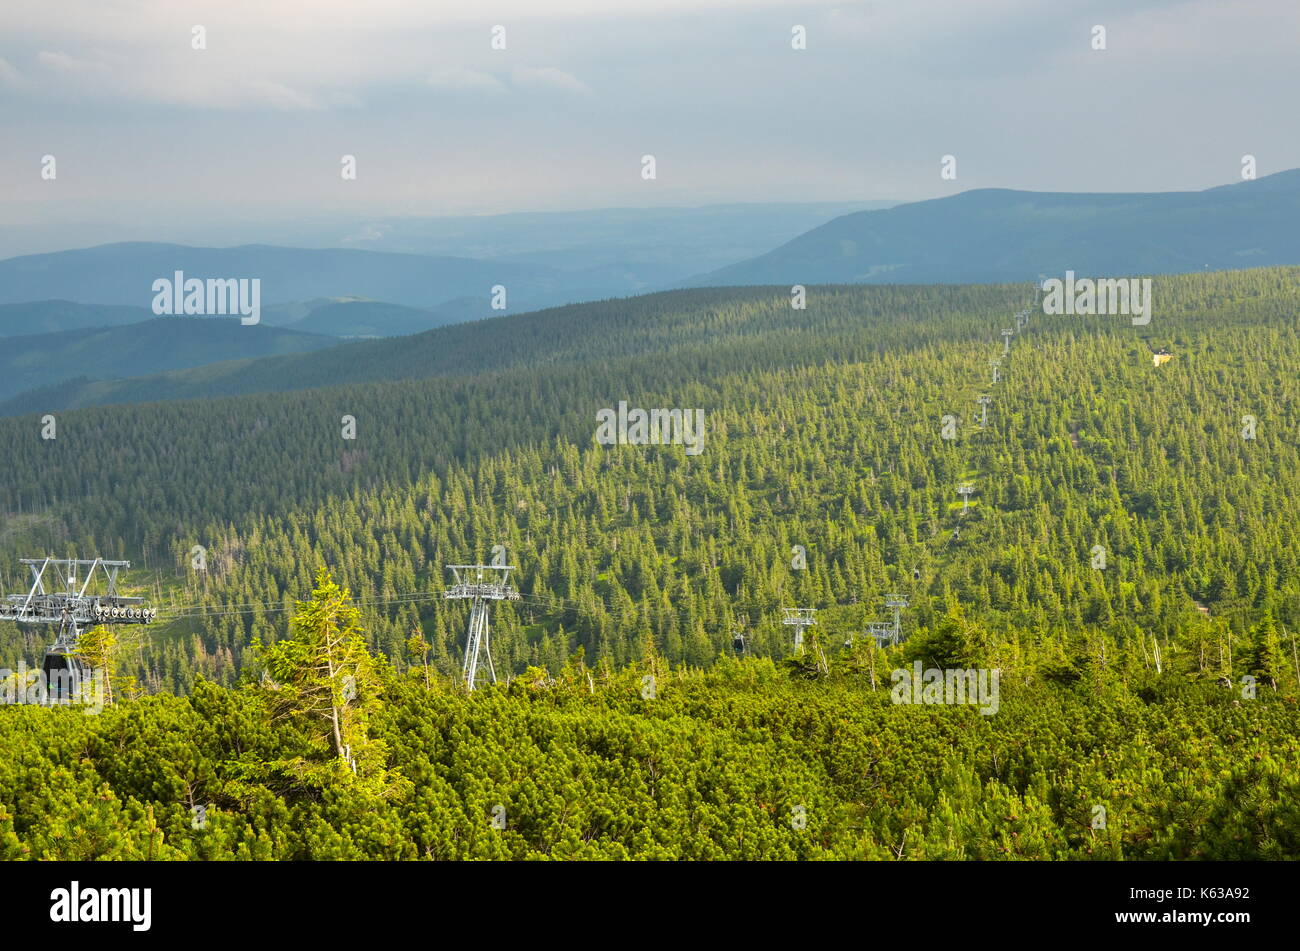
64, 675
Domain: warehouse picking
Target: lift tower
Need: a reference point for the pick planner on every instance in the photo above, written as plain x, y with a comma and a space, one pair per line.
56, 598
965, 491
882, 631
897, 602
1007, 334
471, 583
984, 402
799, 619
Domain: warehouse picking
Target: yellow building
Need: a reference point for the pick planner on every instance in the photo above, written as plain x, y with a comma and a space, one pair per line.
1161, 356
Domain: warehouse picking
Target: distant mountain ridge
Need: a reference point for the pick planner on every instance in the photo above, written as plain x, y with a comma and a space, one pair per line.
123, 274
448, 265
999, 235
634, 247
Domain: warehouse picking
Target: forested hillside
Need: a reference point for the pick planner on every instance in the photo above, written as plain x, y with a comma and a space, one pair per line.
640, 327
1159, 685
160, 343
824, 431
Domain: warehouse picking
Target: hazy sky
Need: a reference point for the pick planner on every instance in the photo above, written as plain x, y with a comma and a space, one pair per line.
148, 132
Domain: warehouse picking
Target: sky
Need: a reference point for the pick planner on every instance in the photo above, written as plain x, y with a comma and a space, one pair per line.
151, 136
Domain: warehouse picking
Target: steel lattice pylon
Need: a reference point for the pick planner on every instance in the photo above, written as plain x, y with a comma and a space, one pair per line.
886, 632
472, 586
897, 602
56, 598
882, 631
799, 618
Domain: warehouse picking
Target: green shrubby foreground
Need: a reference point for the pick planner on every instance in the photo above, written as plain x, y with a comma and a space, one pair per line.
715, 766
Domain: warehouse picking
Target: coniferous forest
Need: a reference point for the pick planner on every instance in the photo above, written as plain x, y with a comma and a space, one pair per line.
1125, 559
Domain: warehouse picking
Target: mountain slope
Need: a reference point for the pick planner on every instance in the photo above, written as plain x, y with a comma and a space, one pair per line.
365, 318
163, 343
569, 335
637, 564
823, 430
51, 316
1002, 235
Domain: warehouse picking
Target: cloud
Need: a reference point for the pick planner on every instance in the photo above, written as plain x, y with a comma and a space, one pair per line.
63, 63
521, 78
261, 92
343, 100
98, 17
459, 79
548, 77
112, 76
1012, 87
9, 76
367, 233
